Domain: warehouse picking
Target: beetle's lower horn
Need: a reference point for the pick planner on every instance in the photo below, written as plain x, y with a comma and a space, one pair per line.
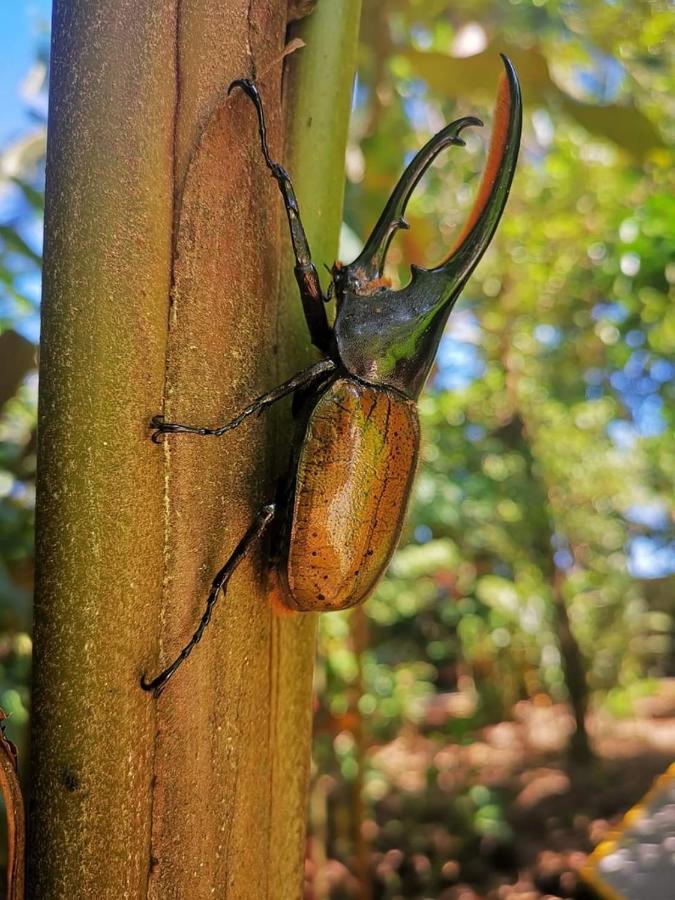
369, 265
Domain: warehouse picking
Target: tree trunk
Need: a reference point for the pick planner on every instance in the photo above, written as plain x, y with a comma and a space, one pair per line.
163, 293
580, 750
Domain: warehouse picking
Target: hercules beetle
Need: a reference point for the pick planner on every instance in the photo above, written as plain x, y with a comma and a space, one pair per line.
338, 517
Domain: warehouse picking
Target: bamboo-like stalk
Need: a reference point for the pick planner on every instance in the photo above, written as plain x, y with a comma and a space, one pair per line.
160, 213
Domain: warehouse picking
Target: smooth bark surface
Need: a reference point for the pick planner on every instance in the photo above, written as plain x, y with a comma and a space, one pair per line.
165, 291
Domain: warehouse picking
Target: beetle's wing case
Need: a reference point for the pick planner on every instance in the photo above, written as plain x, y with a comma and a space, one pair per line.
352, 483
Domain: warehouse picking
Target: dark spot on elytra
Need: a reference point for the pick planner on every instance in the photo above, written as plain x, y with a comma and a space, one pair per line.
70, 780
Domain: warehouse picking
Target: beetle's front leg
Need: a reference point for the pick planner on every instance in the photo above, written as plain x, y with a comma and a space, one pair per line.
313, 300
302, 379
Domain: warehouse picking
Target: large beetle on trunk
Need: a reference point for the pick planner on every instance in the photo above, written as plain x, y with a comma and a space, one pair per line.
338, 516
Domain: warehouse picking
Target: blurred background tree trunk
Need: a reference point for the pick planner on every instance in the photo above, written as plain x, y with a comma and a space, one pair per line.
163, 292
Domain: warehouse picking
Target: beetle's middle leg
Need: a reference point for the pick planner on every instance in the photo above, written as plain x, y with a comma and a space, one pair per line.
259, 526
313, 299
302, 379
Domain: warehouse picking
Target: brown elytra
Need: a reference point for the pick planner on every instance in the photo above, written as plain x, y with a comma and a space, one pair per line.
352, 485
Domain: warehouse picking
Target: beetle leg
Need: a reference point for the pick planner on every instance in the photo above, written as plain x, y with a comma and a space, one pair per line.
302, 379
313, 300
260, 524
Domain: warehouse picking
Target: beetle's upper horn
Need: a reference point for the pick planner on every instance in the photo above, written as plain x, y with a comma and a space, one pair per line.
488, 205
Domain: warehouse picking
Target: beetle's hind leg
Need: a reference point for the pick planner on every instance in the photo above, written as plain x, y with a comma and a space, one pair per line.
313, 299
260, 524
302, 379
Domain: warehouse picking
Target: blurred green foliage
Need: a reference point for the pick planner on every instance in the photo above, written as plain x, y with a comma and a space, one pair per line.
542, 513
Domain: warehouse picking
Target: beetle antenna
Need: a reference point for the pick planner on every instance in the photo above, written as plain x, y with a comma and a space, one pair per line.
331, 284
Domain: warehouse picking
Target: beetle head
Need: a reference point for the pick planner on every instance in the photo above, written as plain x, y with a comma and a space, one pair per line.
390, 337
